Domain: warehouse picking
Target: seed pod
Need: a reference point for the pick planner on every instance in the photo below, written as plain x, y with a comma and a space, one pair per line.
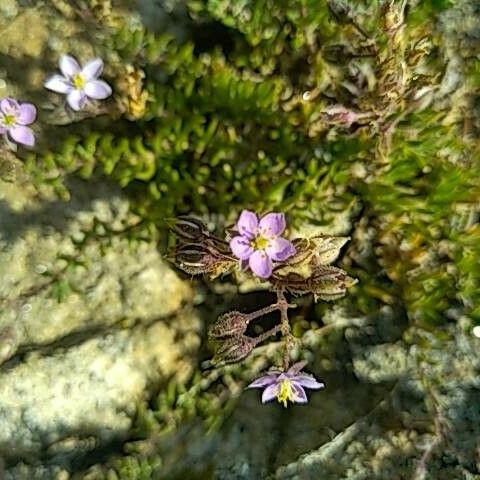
234, 349
339, 11
201, 258
190, 253
228, 325
338, 54
325, 282
192, 259
189, 229
330, 283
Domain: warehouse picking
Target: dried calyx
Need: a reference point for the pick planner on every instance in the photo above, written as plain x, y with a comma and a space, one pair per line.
198, 251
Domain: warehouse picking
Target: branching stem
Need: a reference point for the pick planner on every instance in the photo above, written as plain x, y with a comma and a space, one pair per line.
268, 333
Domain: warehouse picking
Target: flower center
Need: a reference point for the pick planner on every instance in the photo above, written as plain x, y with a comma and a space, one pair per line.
285, 393
260, 243
9, 120
78, 81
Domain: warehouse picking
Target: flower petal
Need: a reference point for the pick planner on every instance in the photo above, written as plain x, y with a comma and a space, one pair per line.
272, 224
296, 368
26, 114
244, 265
98, 89
2, 130
260, 264
241, 247
247, 224
264, 381
308, 381
279, 249
298, 393
23, 135
69, 66
76, 99
93, 69
270, 393
58, 84
9, 106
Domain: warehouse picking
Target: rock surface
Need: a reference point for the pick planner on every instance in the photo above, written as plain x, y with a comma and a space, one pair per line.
74, 370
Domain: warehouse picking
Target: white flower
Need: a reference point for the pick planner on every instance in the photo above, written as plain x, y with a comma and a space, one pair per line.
79, 84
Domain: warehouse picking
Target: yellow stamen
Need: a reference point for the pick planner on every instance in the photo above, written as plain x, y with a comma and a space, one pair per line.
8, 120
78, 81
286, 392
260, 243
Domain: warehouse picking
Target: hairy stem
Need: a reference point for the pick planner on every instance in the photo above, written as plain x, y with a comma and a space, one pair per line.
268, 333
284, 326
261, 312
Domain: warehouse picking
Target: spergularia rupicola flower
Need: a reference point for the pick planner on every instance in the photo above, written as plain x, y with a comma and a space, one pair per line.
286, 386
14, 118
260, 242
79, 83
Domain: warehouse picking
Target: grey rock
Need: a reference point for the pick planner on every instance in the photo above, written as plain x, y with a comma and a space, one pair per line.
75, 369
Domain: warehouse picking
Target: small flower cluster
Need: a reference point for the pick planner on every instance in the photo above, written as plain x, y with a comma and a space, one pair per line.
260, 247
79, 85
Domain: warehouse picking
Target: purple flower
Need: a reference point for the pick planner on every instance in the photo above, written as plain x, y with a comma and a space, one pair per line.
14, 117
79, 84
260, 242
286, 386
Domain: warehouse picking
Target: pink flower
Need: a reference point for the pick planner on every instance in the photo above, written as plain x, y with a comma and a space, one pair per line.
286, 386
260, 242
79, 84
14, 118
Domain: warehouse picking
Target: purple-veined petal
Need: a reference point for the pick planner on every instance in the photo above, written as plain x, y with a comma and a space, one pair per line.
270, 392
296, 368
244, 265
264, 381
272, 225
299, 395
98, 89
9, 106
307, 381
241, 247
2, 130
23, 135
58, 84
260, 264
77, 99
279, 249
247, 224
93, 69
26, 114
69, 66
